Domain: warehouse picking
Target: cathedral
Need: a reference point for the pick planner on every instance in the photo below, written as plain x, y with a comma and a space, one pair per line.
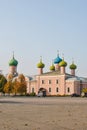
54, 82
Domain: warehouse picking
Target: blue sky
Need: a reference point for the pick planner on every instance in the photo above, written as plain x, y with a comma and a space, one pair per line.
34, 28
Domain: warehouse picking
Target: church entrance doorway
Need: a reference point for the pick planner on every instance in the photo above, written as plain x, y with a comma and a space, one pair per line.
42, 92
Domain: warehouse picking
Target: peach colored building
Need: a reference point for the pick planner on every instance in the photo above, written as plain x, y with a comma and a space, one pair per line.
54, 82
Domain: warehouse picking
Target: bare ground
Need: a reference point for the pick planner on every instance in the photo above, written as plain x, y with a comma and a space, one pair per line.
55, 113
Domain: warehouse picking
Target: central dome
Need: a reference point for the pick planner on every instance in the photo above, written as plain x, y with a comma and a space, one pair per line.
57, 60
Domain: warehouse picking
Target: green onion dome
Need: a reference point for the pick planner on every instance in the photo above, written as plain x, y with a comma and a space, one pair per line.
73, 66
13, 62
63, 63
40, 64
52, 67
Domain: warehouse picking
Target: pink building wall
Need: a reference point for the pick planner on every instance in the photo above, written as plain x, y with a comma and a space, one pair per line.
46, 85
70, 85
77, 87
65, 87
74, 87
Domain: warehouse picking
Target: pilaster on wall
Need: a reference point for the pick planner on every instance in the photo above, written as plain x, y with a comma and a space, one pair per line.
62, 85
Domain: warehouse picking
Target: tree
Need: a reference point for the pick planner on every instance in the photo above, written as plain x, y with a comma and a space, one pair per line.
10, 77
21, 78
20, 85
3, 81
16, 85
84, 90
21, 88
8, 88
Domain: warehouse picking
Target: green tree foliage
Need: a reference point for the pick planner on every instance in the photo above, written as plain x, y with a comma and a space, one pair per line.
3, 81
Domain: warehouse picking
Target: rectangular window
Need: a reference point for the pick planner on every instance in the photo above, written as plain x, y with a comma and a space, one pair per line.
57, 81
68, 90
49, 81
49, 89
57, 90
42, 81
